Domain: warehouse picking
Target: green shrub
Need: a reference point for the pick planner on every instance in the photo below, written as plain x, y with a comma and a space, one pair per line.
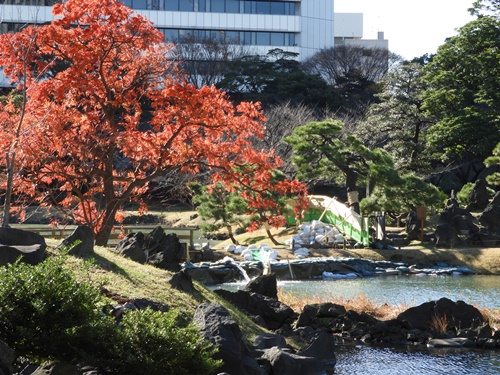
47, 313
42, 306
463, 194
153, 342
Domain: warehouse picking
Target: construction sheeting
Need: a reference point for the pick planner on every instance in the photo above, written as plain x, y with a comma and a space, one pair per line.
331, 211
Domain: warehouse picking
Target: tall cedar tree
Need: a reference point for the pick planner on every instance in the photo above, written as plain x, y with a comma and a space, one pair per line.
88, 138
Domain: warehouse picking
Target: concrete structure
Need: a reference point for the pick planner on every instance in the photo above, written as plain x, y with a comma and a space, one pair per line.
348, 30
299, 26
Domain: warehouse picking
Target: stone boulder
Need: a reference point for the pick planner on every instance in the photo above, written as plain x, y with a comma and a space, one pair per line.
283, 362
56, 368
132, 246
268, 340
412, 226
319, 314
7, 357
459, 315
83, 234
464, 224
322, 348
15, 243
29, 254
490, 217
218, 327
479, 197
273, 313
266, 285
164, 250
446, 236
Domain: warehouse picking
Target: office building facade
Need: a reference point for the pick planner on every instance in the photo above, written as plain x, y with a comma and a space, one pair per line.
300, 26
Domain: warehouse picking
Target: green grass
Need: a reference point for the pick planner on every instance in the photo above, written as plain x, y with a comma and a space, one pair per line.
126, 279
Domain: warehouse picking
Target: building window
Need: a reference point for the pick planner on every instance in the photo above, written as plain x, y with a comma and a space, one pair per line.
201, 6
249, 38
172, 5
186, 5
277, 39
263, 7
232, 6
217, 6
262, 38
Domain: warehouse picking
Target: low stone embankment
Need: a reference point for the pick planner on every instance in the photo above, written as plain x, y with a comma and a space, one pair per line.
227, 270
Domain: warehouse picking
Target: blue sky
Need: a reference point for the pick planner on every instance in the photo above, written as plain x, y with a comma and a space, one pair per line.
413, 28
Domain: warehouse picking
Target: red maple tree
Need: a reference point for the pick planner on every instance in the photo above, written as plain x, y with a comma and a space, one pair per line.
109, 113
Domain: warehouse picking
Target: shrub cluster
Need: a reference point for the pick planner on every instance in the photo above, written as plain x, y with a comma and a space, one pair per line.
47, 313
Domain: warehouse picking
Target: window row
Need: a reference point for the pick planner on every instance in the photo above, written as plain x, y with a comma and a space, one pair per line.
251, 38
216, 6
46, 3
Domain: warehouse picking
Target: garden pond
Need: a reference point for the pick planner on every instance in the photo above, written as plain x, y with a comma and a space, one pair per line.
411, 290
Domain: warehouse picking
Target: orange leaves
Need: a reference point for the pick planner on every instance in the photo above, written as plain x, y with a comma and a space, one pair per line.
113, 115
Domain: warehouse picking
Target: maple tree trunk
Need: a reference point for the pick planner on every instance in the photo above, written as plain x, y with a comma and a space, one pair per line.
102, 236
8, 190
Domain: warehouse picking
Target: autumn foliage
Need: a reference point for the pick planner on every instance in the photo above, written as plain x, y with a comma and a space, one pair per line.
107, 112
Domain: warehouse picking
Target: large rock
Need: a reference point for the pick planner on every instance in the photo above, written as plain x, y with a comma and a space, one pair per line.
84, 235
20, 243
282, 362
490, 217
7, 357
164, 250
322, 348
266, 285
132, 246
13, 237
29, 254
313, 314
479, 196
57, 368
274, 313
464, 224
446, 236
459, 315
218, 327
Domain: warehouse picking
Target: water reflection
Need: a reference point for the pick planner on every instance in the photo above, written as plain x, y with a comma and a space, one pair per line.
407, 360
481, 291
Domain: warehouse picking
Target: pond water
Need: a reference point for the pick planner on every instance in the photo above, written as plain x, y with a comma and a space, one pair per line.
482, 291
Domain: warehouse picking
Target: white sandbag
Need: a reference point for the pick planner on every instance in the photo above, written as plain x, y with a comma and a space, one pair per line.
231, 248
239, 249
248, 257
316, 224
245, 252
301, 252
265, 247
320, 238
272, 255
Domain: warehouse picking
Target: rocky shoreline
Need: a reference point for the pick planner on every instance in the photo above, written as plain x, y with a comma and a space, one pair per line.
228, 270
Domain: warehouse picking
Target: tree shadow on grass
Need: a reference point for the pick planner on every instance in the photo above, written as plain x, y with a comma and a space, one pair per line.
254, 240
106, 265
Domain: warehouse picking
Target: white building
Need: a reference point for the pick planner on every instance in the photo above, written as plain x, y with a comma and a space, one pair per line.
348, 30
300, 26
